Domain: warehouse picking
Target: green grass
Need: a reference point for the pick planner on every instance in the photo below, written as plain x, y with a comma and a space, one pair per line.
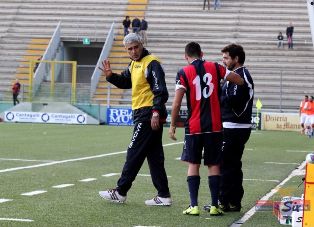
80, 204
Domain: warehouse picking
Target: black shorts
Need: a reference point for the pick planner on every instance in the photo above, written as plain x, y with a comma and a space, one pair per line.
194, 145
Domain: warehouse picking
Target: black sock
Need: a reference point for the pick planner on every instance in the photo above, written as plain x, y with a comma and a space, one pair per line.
213, 183
194, 184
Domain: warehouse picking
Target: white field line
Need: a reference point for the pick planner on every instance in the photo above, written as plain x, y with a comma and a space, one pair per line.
88, 180
63, 185
5, 200
110, 174
261, 180
283, 163
16, 219
72, 160
38, 192
252, 211
24, 160
298, 151
146, 226
144, 175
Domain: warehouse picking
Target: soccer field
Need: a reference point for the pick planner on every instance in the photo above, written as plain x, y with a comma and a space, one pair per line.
51, 174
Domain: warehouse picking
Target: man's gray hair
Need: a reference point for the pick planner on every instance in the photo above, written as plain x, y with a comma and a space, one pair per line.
132, 38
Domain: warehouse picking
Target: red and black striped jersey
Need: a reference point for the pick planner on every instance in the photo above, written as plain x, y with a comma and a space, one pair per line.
202, 84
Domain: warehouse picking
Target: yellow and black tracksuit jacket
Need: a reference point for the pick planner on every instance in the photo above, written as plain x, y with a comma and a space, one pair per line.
146, 77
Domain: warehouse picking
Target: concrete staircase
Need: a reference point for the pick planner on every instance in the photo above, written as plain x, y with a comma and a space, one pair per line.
251, 23
281, 76
62, 93
119, 59
24, 22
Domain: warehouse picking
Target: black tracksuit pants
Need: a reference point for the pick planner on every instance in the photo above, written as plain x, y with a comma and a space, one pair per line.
145, 143
234, 140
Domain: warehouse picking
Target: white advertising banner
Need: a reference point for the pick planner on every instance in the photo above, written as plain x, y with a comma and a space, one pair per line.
37, 117
281, 121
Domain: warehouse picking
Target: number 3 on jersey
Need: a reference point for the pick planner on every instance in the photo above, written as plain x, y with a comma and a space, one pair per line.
208, 89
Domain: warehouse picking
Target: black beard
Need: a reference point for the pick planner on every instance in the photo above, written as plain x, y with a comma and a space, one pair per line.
231, 67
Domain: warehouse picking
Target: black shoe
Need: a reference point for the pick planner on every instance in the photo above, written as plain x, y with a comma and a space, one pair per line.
230, 208
224, 208
234, 208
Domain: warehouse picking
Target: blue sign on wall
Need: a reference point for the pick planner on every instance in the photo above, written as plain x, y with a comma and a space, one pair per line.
119, 116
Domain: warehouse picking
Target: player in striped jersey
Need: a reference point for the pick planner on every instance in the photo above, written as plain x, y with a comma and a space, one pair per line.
200, 81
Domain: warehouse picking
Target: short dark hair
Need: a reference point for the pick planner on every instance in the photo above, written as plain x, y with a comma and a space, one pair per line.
193, 49
306, 96
235, 50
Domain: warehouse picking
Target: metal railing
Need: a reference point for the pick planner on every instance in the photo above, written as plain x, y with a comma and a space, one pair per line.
43, 69
104, 54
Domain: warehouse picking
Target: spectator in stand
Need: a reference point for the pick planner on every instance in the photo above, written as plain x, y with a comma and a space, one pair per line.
302, 113
289, 33
126, 25
136, 25
217, 4
280, 40
144, 27
37, 64
208, 3
16, 87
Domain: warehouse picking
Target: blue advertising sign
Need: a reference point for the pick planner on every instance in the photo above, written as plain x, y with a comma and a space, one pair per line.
119, 116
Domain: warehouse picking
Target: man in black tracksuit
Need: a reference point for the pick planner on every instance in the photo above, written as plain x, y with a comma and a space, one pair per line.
236, 108
146, 78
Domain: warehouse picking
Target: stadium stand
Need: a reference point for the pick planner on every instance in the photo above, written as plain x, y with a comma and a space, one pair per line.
22, 22
251, 23
281, 76
119, 59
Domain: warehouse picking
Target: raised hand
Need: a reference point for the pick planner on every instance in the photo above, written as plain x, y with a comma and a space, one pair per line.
106, 69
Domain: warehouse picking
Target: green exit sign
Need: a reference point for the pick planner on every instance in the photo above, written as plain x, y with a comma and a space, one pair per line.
86, 41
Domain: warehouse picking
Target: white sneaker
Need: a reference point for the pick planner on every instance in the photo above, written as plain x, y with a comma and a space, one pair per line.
113, 196
159, 201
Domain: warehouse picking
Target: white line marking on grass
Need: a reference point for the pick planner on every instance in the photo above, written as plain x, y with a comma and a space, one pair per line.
143, 175
5, 200
283, 163
146, 226
178, 158
146, 175
24, 160
265, 198
88, 180
249, 149
63, 186
72, 160
34, 193
16, 219
110, 174
170, 144
298, 151
261, 180
115, 174
256, 133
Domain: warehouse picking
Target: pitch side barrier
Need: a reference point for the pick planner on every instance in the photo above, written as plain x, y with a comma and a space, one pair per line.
123, 116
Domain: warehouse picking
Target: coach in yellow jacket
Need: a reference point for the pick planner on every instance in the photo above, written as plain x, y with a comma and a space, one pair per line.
146, 78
